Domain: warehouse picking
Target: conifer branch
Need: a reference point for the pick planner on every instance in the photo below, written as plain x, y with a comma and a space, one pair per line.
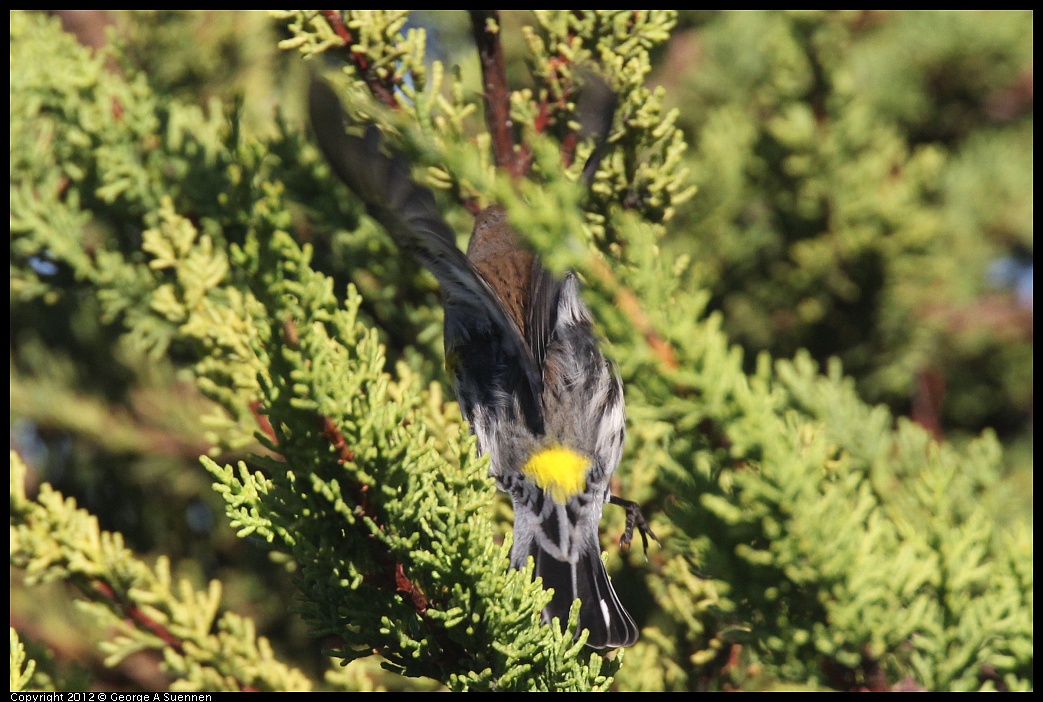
52, 539
382, 88
485, 26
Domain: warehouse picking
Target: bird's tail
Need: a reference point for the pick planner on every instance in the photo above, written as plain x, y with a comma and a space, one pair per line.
575, 572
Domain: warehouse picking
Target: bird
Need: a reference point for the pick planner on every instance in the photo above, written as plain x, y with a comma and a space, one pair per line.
543, 401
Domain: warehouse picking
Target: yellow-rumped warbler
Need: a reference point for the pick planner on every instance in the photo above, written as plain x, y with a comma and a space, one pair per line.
539, 395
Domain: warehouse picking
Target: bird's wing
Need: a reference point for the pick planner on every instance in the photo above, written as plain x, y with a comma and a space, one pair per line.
407, 210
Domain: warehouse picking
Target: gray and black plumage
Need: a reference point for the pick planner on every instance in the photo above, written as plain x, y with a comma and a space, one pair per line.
543, 401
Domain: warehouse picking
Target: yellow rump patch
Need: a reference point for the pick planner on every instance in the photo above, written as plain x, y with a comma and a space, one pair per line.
559, 471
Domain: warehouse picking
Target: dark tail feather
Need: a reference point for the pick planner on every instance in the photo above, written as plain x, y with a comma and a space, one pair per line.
600, 610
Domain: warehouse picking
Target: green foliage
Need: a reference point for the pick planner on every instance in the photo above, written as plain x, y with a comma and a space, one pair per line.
859, 173
914, 579
21, 669
142, 607
189, 281
645, 173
